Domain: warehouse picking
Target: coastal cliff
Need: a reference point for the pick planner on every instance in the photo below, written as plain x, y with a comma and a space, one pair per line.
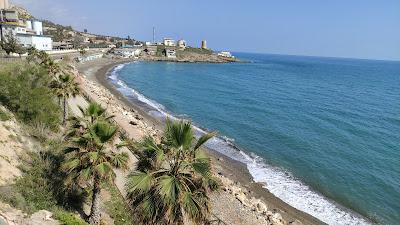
188, 55
190, 58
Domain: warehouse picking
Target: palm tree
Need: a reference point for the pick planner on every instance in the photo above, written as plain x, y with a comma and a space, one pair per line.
52, 67
82, 51
93, 113
173, 179
88, 163
44, 59
65, 87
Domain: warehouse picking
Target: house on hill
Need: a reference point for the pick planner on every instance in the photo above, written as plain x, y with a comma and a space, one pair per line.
29, 33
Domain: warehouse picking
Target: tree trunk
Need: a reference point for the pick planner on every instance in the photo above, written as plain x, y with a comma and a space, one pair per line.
65, 111
95, 215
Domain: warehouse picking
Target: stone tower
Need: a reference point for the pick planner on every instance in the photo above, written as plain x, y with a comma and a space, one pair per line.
4, 4
204, 44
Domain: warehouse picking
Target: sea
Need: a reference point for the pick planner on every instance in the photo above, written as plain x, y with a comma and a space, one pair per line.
322, 134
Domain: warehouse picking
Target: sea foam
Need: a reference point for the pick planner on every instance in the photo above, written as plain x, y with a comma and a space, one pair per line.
279, 182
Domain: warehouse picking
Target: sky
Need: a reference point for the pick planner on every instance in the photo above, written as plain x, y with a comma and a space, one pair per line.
368, 29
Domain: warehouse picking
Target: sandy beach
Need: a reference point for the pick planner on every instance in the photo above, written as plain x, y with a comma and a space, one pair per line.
241, 201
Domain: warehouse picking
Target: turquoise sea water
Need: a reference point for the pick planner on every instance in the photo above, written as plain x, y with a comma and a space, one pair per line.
323, 133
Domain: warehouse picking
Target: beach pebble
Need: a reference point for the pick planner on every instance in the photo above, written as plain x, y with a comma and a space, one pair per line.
241, 197
277, 219
269, 214
261, 207
296, 222
133, 123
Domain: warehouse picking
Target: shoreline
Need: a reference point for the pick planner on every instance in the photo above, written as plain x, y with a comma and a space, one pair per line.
224, 166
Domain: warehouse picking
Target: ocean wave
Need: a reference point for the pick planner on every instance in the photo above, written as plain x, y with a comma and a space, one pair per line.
115, 70
279, 182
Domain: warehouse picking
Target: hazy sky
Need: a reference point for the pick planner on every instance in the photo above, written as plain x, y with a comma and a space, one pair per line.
342, 28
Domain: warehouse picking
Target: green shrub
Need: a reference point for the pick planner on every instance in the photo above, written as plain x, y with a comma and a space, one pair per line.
9, 195
41, 186
66, 218
199, 51
24, 90
4, 116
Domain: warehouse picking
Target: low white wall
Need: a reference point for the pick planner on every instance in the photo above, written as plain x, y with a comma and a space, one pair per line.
52, 52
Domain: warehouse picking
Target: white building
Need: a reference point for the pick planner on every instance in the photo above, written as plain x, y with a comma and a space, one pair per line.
128, 53
169, 42
40, 42
170, 53
37, 27
4, 4
226, 55
32, 36
89, 58
9, 23
182, 44
28, 33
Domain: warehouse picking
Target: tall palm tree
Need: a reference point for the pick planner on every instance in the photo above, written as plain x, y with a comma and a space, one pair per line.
44, 59
65, 87
173, 179
88, 162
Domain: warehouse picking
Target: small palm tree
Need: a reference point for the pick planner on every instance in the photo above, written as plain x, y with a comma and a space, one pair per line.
65, 87
173, 179
94, 112
82, 51
43, 59
53, 68
90, 115
89, 163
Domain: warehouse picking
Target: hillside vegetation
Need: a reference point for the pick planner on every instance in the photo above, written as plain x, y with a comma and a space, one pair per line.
28, 93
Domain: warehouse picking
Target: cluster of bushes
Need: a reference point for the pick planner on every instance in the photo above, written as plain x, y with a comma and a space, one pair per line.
24, 90
199, 50
41, 188
33, 91
170, 186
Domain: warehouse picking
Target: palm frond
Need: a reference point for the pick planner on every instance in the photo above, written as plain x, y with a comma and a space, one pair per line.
202, 166
139, 182
168, 188
104, 170
179, 134
70, 165
120, 160
104, 131
203, 139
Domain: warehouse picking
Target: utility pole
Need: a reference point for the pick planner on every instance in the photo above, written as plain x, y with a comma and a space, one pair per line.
1, 24
154, 35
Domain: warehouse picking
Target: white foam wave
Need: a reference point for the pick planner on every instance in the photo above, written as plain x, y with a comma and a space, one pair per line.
279, 182
147, 101
292, 191
116, 69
